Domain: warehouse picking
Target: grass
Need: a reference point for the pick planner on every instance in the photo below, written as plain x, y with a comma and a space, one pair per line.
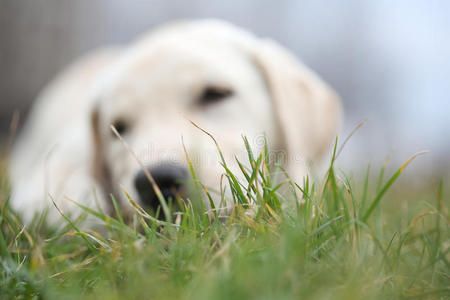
342, 238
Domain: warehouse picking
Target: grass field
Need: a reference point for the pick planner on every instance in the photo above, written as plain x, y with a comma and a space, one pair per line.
343, 238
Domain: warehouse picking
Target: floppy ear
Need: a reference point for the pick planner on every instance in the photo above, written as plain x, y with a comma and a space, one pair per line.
308, 111
100, 169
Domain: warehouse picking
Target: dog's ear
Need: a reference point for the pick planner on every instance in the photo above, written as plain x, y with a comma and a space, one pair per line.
98, 163
100, 170
308, 111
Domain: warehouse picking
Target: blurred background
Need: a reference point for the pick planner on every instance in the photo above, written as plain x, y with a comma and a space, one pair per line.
389, 60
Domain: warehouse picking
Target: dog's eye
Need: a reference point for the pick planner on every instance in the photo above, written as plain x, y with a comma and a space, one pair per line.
213, 94
121, 127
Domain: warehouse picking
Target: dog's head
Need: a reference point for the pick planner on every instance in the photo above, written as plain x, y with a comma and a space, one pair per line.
225, 80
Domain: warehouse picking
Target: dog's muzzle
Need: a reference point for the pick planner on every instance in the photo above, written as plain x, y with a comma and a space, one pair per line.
170, 178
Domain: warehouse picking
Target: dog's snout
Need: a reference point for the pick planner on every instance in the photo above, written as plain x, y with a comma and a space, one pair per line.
170, 179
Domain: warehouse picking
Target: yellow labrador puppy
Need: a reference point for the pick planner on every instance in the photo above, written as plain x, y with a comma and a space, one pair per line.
212, 73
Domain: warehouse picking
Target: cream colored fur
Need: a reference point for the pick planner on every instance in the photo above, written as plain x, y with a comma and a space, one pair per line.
67, 149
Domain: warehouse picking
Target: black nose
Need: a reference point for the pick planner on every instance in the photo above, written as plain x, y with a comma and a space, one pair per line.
170, 179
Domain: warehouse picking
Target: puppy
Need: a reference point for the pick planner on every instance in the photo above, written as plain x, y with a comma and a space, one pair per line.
208, 72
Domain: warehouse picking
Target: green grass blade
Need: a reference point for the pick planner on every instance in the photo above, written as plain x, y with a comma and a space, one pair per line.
386, 187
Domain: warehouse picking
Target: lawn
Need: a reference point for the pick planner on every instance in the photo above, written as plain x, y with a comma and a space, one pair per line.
343, 237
